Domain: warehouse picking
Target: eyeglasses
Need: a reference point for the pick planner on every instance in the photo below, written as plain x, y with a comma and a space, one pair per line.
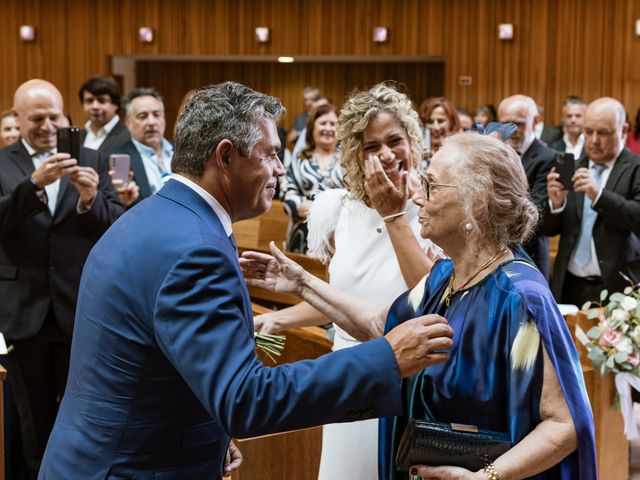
428, 186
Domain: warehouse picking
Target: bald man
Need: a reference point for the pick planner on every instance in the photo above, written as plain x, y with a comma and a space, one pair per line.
536, 159
53, 209
599, 217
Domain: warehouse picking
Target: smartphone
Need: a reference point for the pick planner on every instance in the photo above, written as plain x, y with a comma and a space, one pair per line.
120, 164
69, 141
565, 166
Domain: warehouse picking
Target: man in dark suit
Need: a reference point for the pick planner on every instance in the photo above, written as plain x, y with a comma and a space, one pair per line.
100, 98
149, 151
543, 132
598, 217
52, 211
536, 159
163, 363
572, 140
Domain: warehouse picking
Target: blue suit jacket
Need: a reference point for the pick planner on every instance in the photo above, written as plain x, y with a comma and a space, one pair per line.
163, 365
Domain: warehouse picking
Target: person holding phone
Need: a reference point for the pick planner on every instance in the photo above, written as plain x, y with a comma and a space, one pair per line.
53, 209
598, 219
149, 151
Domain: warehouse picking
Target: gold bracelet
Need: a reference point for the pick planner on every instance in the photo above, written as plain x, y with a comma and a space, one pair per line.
491, 472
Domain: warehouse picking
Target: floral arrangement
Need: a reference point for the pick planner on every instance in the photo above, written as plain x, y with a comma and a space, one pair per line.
614, 344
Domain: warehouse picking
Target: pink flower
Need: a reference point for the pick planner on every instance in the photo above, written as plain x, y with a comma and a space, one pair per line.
634, 359
610, 337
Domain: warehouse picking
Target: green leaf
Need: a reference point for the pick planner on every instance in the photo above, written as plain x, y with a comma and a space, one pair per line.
594, 332
628, 290
621, 357
627, 278
597, 356
592, 314
603, 295
610, 363
586, 306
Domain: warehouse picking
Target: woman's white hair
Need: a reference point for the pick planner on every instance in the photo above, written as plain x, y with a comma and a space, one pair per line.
493, 188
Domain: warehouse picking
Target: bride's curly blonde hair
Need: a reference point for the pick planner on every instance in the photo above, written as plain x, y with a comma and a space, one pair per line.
356, 114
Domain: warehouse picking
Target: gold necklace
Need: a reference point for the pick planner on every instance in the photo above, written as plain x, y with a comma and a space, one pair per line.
450, 292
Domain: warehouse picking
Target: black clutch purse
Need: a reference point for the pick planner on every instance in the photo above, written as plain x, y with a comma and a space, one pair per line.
437, 444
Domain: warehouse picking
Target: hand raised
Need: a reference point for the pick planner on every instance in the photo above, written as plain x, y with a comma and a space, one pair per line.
555, 189
86, 180
584, 181
54, 167
274, 272
383, 194
419, 342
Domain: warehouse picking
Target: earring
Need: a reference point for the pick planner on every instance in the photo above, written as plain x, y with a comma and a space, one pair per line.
467, 227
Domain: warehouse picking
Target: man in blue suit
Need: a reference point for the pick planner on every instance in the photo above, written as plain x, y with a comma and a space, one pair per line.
163, 364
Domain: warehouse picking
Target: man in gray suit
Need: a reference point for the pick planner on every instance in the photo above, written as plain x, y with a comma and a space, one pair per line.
100, 97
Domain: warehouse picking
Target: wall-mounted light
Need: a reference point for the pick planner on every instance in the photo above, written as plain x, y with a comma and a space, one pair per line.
27, 33
505, 31
262, 34
380, 34
638, 27
146, 34
285, 59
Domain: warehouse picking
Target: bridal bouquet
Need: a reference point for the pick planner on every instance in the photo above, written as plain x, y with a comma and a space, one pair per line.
614, 344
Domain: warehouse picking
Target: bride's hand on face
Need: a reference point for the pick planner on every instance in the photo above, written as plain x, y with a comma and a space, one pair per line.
273, 272
385, 197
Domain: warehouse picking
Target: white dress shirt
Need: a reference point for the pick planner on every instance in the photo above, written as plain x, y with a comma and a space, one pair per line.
94, 140
156, 174
53, 188
575, 150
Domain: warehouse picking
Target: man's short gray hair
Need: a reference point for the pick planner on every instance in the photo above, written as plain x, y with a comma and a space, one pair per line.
228, 111
140, 92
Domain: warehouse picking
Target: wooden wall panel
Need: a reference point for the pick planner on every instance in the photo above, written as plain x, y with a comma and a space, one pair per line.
585, 47
286, 81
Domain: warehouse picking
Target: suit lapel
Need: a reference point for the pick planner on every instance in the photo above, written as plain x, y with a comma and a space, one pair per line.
617, 171
178, 192
22, 159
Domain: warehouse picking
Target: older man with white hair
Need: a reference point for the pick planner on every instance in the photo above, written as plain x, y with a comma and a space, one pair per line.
599, 216
536, 159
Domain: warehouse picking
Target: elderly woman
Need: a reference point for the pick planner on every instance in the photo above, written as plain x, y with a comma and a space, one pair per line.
356, 231
314, 170
440, 117
513, 367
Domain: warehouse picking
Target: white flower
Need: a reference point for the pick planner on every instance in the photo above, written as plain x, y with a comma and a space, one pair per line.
624, 345
629, 303
619, 315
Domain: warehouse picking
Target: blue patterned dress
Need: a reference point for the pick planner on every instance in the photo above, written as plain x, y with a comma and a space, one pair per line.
478, 384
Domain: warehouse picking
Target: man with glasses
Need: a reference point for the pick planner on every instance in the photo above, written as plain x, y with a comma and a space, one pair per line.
536, 159
598, 216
